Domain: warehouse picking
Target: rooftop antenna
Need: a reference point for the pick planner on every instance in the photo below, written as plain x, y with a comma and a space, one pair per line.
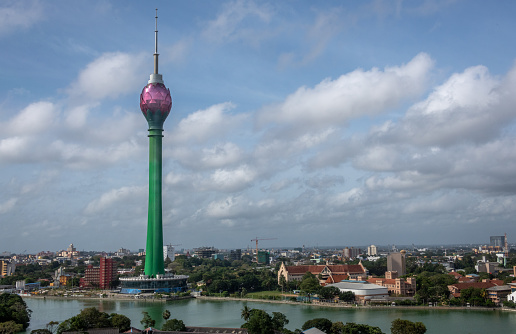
156, 54
156, 77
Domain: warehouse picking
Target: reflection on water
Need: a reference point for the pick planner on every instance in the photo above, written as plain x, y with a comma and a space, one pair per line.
215, 313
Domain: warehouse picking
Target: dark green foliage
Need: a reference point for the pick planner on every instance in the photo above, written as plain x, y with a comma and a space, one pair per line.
322, 324
399, 326
260, 322
328, 292
309, 284
92, 318
40, 331
353, 328
10, 327
13, 308
376, 268
347, 296
121, 322
147, 321
174, 325
166, 313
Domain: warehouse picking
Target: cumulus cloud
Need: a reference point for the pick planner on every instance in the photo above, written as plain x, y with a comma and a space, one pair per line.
113, 197
469, 106
353, 95
204, 125
109, 76
34, 119
232, 179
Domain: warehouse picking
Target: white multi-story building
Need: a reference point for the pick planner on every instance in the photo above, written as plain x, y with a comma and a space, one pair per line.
371, 250
169, 251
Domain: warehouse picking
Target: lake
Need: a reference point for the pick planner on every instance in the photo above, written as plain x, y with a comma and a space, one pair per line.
220, 313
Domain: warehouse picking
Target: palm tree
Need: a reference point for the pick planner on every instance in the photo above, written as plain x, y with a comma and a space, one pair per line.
246, 313
166, 314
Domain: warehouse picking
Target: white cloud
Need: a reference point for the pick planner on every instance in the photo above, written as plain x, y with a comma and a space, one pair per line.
207, 124
227, 26
232, 179
469, 106
113, 197
36, 118
109, 76
351, 96
19, 15
8, 205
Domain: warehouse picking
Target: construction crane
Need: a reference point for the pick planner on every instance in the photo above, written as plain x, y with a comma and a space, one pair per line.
257, 239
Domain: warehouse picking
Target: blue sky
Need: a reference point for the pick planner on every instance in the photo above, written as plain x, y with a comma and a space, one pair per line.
318, 123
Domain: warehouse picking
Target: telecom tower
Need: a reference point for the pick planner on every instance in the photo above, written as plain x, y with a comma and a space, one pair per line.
155, 104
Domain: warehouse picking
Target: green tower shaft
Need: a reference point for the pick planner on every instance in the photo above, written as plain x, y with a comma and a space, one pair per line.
155, 104
154, 263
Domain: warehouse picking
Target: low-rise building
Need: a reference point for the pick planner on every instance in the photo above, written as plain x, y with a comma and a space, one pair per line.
364, 291
323, 272
395, 285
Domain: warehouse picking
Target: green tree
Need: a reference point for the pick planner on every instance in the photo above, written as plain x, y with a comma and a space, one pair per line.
52, 326
166, 313
353, 328
246, 313
399, 326
10, 327
40, 331
147, 321
88, 318
328, 292
309, 284
174, 325
120, 321
279, 320
322, 324
346, 296
13, 308
260, 322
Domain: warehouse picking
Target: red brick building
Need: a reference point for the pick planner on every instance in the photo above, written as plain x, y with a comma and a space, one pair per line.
100, 277
323, 272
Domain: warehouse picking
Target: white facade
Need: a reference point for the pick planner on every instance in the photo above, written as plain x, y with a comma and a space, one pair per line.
371, 250
169, 251
363, 290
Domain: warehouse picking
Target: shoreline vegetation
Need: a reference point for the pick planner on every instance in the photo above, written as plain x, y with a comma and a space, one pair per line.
151, 298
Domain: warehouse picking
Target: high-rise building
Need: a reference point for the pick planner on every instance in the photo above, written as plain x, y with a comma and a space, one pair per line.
396, 262
7, 268
170, 252
204, 252
235, 254
101, 276
497, 241
263, 257
372, 251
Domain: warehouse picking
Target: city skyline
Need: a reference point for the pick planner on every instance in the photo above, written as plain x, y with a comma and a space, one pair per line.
314, 123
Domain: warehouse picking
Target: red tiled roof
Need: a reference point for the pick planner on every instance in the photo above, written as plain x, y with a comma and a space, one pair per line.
336, 278
455, 274
477, 285
335, 269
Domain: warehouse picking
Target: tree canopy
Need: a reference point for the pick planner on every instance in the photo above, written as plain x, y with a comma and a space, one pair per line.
92, 318
400, 326
13, 308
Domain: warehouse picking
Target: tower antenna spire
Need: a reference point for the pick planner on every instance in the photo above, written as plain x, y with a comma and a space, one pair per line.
156, 45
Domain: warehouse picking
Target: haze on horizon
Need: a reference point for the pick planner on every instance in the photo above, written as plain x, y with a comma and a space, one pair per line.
328, 123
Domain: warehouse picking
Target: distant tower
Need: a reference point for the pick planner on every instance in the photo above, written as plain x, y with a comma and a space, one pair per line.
155, 103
